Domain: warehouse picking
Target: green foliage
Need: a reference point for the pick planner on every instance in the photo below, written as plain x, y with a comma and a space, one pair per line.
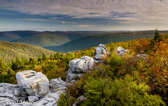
44, 57
66, 100
115, 61
9, 51
120, 92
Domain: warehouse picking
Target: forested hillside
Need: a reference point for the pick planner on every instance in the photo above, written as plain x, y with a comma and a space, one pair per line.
94, 40
44, 39
118, 80
9, 51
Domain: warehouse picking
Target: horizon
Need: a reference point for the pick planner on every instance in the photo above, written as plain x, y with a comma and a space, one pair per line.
83, 15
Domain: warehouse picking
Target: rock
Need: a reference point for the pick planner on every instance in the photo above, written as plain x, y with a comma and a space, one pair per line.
121, 51
81, 65
72, 76
33, 98
142, 56
34, 83
11, 93
16, 95
100, 52
57, 84
78, 67
49, 100
81, 100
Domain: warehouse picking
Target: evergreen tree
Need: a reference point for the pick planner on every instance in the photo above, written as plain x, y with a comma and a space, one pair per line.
156, 38
44, 57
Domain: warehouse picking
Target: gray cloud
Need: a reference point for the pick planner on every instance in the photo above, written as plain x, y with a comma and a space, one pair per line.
130, 10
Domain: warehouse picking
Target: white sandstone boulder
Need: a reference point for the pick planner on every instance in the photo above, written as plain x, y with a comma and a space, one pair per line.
100, 52
34, 83
121, 51
81, 65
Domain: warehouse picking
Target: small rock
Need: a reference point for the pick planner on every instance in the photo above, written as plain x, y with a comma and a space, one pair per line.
57, 84
81, 100
33, 98
121, 51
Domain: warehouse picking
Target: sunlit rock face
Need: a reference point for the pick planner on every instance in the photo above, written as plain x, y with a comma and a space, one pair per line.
100, 52
34, 83
79, 66
121, 51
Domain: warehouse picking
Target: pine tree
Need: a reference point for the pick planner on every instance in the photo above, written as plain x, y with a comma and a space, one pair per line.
156, 38
44, 57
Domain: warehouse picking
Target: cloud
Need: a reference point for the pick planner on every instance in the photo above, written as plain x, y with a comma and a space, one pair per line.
66, 22
84, 26
34, 19
121, 11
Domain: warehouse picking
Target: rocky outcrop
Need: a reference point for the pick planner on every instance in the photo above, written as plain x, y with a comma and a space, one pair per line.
10, 92
32, 90
100, 52
34, 83
79, 66
121, 51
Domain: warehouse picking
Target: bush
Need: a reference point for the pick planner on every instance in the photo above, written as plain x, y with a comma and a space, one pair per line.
115, 61
106, 92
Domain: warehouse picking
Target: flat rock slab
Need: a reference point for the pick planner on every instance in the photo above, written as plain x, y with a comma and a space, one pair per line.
11, 93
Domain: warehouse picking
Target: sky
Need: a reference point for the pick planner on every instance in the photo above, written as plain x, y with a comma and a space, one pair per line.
83, 15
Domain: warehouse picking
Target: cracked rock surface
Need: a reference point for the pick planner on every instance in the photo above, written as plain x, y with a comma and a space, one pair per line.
30, 82
35, 83
100, 52
79, 66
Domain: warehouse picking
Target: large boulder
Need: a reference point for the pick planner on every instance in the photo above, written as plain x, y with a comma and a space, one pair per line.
16, 95
121, 51
100, 52
34, 83
79, 66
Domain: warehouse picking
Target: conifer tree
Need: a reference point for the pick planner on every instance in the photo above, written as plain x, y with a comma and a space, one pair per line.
156, 38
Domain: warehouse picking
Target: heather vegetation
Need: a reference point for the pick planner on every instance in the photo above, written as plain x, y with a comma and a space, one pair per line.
118, 80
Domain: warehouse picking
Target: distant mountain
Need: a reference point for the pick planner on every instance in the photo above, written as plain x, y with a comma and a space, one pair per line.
9, 51
94, 40
44, 39
5, 36
78, 34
